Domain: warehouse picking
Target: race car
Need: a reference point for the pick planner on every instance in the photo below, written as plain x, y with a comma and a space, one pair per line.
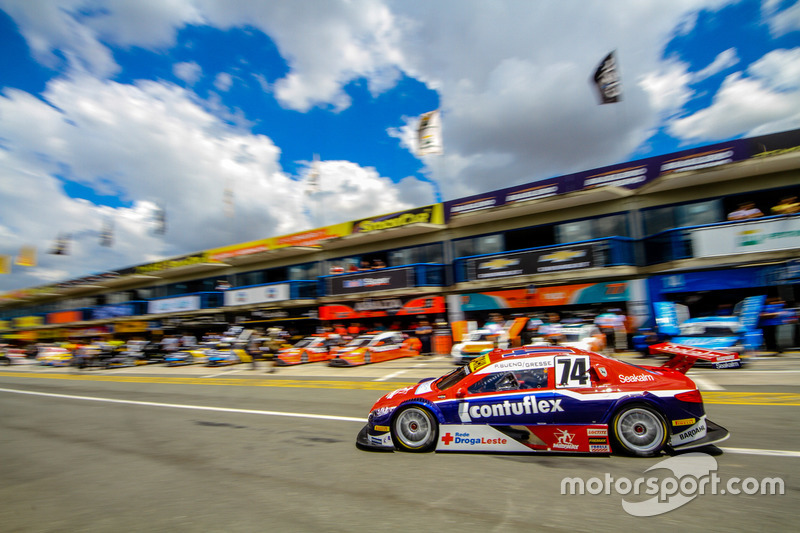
548, 399
52, 355
474, 344
581, 336
308, 350
227, 354
189, 355
713, 333
10, 355
478, 341
374, 348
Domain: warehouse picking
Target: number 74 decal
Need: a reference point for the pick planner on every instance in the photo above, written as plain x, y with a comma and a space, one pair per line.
572, 371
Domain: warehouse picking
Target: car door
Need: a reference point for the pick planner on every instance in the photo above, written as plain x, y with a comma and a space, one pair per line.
575, 389
503, 398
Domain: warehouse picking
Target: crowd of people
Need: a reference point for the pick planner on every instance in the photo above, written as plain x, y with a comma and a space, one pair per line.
788, 205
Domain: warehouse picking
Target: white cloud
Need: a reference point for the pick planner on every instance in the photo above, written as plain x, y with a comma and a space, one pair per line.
668, 89
764, 101
223, 81
781, 21
158, 145
724, 60
188, 71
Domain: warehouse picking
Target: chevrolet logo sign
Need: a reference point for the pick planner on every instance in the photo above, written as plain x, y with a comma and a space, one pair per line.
562, 255
497, 264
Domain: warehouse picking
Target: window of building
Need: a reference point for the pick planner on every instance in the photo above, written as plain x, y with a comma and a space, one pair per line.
591, 228
679, 216
485, 244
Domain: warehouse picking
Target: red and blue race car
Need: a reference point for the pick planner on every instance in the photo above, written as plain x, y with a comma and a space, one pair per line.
548, 399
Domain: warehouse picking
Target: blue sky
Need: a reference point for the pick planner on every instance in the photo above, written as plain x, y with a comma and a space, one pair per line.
110, 110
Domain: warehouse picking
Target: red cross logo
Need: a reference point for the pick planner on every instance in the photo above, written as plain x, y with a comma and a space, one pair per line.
447, 439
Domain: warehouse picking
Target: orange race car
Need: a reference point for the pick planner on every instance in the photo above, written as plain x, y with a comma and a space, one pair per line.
309, 350
374, 348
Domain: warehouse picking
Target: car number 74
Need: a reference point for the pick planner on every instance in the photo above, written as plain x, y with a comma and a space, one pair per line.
572, 371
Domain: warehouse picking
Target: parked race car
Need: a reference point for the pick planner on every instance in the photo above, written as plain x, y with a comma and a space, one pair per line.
582, 336
713, 333
477, 341
10, 355
189, 355
227, 354
308, 350
548, 399
374, 348
52, 355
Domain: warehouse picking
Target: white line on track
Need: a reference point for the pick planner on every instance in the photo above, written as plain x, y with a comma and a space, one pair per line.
390, 376
224, 373
745, 451
753, 451
182, 406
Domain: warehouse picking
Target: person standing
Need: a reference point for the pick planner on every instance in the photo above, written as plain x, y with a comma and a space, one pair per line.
424, 332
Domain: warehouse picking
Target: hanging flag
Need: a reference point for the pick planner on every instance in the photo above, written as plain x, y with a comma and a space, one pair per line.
107, 234
61, 246
5, 264
429, 134
312, 185
160, 220
227, 201
27, 256
607, 81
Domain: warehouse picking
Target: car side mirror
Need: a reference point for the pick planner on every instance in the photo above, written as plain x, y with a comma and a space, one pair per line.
460, 393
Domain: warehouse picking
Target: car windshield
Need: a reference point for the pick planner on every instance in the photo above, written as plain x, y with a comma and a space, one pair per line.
302, 343
477, 336
447, 381
359, 341
709, 330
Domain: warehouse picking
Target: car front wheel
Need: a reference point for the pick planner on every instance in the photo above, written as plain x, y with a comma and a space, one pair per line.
640, 430
415, 429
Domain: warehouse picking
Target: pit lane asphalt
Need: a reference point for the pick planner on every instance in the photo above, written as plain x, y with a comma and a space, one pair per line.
71, 464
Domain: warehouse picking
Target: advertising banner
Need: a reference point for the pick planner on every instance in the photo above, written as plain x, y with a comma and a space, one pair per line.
112, 311
630, 175
584, 293
64, 317
430, 214
531, 262
27, 321
137, 326
396, 278
173, 305
257, 295
383, 307
765, 236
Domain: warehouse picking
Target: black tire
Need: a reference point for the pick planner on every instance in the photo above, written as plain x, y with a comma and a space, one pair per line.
639, 430
414, 429
5, 361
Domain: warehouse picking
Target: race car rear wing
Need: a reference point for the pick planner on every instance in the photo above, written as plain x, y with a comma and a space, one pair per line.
684, 357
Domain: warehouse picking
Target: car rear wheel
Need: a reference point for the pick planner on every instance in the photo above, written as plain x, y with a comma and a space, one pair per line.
414, 429
640, 430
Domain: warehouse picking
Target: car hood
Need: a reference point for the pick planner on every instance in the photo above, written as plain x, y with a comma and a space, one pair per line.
398, 396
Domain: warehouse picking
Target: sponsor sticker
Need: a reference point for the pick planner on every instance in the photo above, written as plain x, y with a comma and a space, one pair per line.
684, 422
